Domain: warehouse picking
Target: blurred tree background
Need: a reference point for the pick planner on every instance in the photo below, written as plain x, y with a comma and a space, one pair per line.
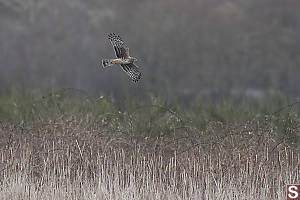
186, 48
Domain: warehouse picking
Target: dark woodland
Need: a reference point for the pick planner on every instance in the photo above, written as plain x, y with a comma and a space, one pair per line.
207, 47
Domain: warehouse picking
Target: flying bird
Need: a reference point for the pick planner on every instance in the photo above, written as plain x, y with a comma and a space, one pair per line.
123, 58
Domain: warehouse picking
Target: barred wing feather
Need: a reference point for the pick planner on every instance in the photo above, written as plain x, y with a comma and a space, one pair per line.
118, 45
132, 71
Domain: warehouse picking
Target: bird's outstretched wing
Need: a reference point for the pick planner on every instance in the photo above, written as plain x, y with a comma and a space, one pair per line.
132, 71
119, 45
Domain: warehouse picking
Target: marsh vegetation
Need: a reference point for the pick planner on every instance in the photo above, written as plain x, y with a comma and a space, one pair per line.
62, 146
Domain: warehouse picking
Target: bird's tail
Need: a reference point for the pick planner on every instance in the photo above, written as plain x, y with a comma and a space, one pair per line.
107, 63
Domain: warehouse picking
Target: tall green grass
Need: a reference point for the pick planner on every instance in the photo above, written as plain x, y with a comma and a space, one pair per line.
152, 116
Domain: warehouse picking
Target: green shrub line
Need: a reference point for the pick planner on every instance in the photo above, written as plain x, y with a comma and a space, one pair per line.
152, 116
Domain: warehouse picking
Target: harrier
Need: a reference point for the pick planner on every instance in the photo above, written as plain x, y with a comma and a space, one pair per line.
123, 58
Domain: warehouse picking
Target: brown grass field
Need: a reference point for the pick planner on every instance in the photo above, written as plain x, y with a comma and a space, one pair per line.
109, 156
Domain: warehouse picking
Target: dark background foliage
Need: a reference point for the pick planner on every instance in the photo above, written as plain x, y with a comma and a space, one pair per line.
185, 48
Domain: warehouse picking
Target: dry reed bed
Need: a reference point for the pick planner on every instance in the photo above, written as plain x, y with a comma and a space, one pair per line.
69, 159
